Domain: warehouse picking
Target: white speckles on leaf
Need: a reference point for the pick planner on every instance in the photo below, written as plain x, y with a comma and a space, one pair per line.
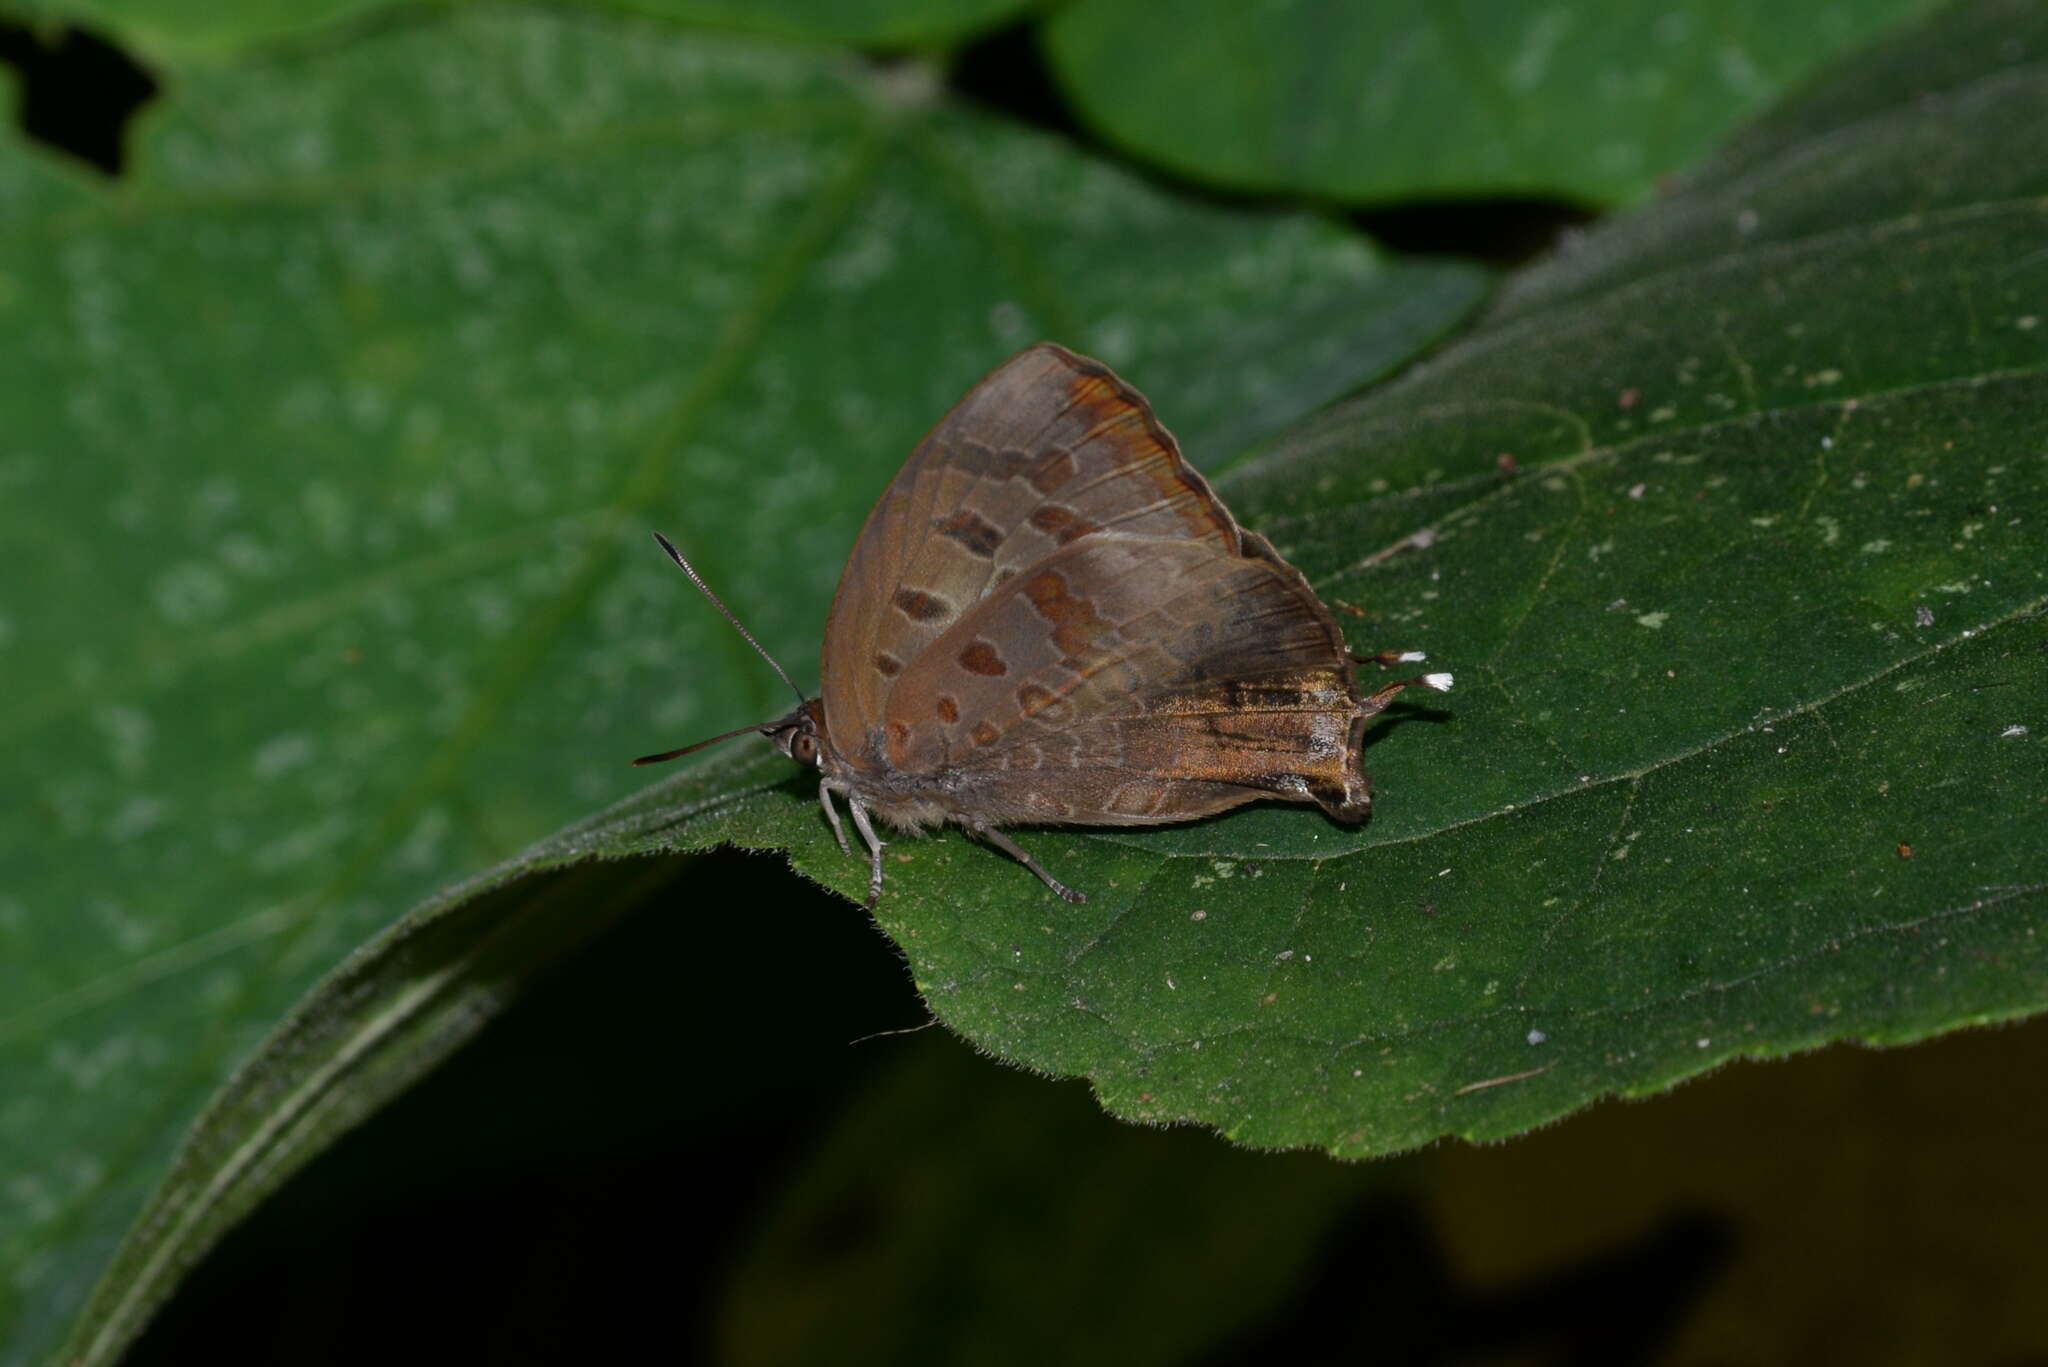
1537, 46
1653, 620
249, 557
87, 1068
280, 755
328, 513
307, 842
130, 932
867, 252
423, 847
190, 593
138, 814
129, 733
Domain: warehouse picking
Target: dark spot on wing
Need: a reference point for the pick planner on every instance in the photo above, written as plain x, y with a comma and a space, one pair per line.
1061, 523
1075, 623
981, 658
920, 606
979, 536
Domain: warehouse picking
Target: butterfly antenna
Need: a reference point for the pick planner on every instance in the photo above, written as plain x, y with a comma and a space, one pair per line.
705, 589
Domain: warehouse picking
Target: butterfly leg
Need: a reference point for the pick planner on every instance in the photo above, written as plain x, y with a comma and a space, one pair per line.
875, 846
832, 814
1016, 852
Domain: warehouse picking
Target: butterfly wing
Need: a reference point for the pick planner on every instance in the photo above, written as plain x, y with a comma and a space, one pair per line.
1049, 449
1135, 680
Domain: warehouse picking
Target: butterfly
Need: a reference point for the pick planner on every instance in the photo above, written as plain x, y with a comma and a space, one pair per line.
1049, 618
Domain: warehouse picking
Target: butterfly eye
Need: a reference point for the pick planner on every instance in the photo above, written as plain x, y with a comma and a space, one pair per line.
804, 748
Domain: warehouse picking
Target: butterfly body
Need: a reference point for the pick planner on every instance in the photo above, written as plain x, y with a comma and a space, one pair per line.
1050, 618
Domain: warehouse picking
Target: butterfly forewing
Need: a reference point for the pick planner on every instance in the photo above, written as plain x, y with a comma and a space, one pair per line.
1049, 449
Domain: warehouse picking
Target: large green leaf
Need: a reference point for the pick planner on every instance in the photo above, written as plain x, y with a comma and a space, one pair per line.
334, 439
1592, 100
1746, 753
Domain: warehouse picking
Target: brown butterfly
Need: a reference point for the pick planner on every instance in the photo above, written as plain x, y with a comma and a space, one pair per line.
1050, 618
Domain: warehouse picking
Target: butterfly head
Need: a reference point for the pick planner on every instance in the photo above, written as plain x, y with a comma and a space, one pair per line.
800, 735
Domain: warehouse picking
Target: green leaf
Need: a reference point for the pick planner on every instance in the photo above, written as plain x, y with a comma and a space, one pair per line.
184, 33
335, 437
1752, 630
1591, 101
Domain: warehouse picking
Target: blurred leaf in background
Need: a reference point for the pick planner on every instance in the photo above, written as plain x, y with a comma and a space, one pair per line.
1378, 103
197, 33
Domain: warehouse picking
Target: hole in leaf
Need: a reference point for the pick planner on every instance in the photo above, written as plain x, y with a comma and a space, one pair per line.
1006, 71
1501, 232
78, 91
